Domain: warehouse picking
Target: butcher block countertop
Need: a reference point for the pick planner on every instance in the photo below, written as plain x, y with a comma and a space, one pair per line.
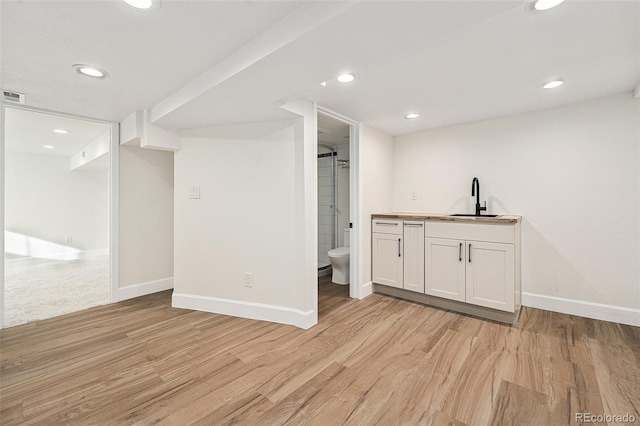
448, 218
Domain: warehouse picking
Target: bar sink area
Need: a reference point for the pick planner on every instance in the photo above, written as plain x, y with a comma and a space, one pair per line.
464, 262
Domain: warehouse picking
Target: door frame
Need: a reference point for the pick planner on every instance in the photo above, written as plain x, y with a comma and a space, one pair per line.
355, 201
113, 182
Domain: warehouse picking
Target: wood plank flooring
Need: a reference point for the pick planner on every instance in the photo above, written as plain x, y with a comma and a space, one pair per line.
377, 361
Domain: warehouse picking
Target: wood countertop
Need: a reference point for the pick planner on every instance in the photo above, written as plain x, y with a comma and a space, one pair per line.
448, 218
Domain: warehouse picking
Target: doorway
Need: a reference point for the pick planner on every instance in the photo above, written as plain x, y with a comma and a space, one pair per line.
335, 193
57, 199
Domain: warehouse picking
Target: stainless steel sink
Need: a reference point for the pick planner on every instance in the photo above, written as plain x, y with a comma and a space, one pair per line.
474, 215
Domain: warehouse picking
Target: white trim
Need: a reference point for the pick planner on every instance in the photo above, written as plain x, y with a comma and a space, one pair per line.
59, 114
72, 255
114, 210
242, 309
310, 161
142, 289
583, 308
2, 172
355, 188
367, 289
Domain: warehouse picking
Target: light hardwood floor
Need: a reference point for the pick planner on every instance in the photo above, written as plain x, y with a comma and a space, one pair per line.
376, 361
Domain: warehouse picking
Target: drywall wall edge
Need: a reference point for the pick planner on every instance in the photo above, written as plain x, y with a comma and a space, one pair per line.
142, 289
242, 309
583, 308
367, 290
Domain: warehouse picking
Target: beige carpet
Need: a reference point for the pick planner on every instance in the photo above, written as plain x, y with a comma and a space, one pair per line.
42, 288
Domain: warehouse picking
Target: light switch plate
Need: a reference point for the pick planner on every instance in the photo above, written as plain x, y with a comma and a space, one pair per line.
248, 279
194, 192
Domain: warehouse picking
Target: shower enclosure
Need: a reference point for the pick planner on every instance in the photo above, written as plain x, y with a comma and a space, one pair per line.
327, 208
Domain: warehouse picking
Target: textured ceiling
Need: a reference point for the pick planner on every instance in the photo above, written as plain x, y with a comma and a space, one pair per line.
148, 54
207, 63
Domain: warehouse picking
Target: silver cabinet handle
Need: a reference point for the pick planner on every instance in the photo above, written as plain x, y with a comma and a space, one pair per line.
412, 224
469, 252
399, 247
387, 223
460, 253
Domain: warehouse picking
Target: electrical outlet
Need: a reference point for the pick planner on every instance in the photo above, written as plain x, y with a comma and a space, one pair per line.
194, 192
68, 239
248, 279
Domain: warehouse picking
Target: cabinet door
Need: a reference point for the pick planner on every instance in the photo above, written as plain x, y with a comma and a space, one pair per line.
444, 268
490, 275
414, 256
387, 259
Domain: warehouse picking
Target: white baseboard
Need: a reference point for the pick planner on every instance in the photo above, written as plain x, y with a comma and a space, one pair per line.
242, 309
142, 289
582, 308
71, 255
367, 289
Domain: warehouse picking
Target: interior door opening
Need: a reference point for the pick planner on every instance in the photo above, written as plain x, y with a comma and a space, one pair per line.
335, 208
57, 186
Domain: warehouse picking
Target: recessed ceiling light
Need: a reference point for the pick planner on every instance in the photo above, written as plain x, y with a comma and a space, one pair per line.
324, 84
49, 147
412, 115
546, 4
346, 78
60, 131
553, 84
140, 4
90, 70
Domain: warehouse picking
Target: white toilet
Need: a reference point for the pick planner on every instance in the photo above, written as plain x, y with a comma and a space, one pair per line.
339, 258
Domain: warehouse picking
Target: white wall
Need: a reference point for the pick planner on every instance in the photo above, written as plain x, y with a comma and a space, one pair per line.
45, 202
572, 172
146, 221
376, 188
249, 218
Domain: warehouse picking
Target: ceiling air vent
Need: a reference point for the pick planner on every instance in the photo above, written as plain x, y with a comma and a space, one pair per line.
13, 97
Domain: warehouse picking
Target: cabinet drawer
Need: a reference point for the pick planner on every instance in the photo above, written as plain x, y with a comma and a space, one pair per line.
491, 232
386, 226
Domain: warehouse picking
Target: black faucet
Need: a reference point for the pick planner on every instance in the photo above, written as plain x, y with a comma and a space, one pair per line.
475, 191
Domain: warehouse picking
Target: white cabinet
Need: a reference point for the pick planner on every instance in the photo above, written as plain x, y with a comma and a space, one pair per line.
445, 268
479, 269
490, 275
398, 254
413, 264
387, 261
470, 266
